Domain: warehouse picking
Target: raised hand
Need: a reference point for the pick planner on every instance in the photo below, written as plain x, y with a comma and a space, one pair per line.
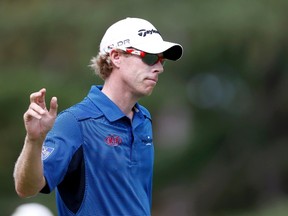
38, 119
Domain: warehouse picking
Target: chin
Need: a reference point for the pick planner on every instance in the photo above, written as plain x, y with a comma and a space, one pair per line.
146, 92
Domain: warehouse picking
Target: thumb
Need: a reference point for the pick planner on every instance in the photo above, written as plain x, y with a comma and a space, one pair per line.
53, 106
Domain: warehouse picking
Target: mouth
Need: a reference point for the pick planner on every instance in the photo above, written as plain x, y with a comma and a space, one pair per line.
154, 80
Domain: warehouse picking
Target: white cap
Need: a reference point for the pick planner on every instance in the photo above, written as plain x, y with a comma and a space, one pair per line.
32, 209
139, 34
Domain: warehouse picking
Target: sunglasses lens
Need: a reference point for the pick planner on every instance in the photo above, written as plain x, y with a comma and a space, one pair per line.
150, 59
147, 58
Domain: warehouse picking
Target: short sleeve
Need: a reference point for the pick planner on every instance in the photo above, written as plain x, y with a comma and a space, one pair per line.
59, 147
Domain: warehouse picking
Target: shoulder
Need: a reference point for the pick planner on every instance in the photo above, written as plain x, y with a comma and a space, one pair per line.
70, 119
83, 110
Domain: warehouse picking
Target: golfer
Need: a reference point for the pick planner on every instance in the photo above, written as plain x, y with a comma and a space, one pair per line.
98, 154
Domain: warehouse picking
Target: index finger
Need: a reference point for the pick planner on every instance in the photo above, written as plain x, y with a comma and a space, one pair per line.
38, 97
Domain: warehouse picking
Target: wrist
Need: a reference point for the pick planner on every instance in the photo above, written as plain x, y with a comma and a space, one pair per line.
35, 141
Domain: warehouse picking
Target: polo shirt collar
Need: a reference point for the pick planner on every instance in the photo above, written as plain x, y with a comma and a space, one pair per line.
107, 107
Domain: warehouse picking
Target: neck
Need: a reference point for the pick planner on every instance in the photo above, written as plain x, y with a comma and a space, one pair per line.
122, 98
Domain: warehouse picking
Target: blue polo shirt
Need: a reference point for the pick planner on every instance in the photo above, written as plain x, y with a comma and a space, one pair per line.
99, 161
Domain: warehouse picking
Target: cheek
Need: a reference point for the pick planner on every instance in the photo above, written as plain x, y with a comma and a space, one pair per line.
135, 70
135, 62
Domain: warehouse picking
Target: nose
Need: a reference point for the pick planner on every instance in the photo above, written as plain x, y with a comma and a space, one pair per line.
158, 68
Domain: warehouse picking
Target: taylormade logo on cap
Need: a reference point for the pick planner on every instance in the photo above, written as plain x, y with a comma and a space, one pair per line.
144, 32
140, 34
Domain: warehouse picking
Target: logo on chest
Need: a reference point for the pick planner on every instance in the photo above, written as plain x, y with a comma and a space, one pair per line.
113, 140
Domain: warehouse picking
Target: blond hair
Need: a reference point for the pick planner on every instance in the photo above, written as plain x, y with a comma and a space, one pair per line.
102, 65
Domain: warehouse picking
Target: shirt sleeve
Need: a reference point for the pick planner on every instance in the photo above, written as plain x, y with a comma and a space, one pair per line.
60, 144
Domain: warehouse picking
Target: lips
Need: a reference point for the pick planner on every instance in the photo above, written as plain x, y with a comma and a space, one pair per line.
152, 79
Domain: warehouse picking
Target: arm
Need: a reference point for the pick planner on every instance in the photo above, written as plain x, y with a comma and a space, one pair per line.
28, 172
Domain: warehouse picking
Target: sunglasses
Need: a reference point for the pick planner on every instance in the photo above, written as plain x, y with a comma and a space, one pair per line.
147, 58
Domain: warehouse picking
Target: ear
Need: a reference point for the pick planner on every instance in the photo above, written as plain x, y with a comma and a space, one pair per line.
115, 58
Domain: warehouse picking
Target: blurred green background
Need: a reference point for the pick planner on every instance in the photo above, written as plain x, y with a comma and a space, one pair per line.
220, 113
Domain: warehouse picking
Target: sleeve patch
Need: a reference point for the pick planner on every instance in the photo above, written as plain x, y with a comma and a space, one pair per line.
46, 152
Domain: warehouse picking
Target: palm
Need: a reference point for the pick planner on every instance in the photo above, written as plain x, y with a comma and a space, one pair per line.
38, 128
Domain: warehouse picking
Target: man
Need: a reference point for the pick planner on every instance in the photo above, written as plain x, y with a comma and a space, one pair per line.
98, 155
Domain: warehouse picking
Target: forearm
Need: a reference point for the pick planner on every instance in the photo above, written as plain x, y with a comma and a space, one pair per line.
28, 172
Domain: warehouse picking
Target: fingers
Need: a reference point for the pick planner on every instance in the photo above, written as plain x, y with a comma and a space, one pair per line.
39, 98
53, 106
37, 106
34, 111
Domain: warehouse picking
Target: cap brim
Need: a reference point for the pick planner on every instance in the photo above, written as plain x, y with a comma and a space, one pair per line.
171, 51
